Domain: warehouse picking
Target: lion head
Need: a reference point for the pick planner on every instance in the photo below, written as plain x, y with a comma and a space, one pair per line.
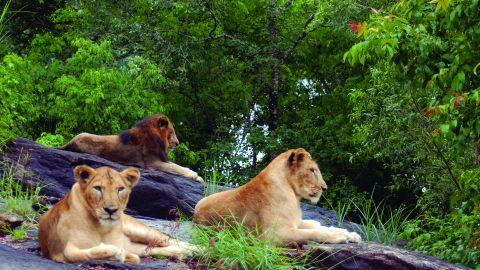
304, 175
155, 134
105, 190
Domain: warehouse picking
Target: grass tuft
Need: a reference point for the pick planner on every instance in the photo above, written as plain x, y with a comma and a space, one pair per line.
236, 247
14, 197
380, 223
18, 234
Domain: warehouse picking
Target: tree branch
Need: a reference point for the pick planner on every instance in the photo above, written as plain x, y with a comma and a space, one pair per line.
300, 36
285, 6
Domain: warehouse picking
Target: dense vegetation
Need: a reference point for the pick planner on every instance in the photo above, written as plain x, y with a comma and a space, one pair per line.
384, 94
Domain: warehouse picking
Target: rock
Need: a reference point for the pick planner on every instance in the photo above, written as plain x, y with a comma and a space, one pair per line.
374, 256
15, 259
19, 259
159, 194
156, 194
26, 255
10, 221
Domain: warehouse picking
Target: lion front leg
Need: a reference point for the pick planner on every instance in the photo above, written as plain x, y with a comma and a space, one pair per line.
101, 252
175, 169
320, 235
179, 250
310, 224
140, 233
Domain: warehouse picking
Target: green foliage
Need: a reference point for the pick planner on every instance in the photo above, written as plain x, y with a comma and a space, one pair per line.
454, 238
420, 115
81, 84
236, 247
50, 140
393, 105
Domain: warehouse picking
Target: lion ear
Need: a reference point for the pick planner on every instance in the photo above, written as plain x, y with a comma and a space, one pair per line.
132, 175
163, 121
296, 156
83, 173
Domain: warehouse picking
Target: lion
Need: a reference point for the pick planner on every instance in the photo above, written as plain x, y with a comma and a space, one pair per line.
269, 204
89, 222
145, 145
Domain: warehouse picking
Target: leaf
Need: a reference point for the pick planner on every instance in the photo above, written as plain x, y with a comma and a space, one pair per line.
444, 128
458, 81
475, 69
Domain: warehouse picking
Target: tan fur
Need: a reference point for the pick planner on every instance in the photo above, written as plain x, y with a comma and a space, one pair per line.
89, 222
270, 202
145, 145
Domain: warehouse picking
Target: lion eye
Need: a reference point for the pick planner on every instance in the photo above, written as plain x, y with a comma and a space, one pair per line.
312, 170
120, 189
98, 188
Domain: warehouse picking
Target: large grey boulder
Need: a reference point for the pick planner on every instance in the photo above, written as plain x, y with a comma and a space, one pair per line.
158, 193
374, 256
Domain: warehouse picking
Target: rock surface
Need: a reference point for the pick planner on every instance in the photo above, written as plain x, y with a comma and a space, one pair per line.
10, 221
26, 255
156, 195
374, 256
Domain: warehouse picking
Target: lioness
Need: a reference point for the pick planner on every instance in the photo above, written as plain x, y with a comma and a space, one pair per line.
145, 145
270, 202
89, 223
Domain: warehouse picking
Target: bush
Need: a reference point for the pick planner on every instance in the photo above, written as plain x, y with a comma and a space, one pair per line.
454, 238
50, 140
83, 85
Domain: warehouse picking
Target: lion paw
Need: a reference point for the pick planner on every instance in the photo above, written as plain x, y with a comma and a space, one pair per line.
132, 259
112, 252
120, 255
199, 179
354, 237
338, 238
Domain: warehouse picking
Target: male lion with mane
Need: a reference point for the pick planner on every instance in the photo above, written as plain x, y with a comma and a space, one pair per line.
270, 202
145, 145
89, 222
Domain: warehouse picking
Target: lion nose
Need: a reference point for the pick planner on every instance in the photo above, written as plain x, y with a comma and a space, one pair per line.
110, 210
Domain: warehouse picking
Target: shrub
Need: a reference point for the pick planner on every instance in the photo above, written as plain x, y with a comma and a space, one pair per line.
66, 85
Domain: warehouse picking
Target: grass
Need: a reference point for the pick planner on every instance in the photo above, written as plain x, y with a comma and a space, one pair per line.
212, 181
3, 20
13, 197
235, 247
18, 234
341, 210
377, 222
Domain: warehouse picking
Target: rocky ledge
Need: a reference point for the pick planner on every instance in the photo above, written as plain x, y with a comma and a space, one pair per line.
156, 195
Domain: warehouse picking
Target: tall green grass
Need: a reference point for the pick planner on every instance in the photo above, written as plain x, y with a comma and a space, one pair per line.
3, 20
13, 197
236, 247
377, 222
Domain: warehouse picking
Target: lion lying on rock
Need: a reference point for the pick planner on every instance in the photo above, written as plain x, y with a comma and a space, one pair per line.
270, 203
89, 223
145, 145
